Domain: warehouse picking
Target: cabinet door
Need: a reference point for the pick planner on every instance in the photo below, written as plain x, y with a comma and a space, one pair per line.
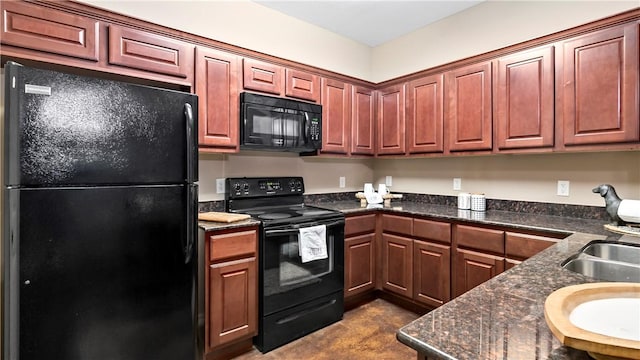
474, 268
262, 76
397, 264
302, 85
336, 116
600, 87
232, 301
363, 121
359, 264
49, 30
468, 110
391, 121
219, 104
525, 99
431, 273
150, 52
425, 119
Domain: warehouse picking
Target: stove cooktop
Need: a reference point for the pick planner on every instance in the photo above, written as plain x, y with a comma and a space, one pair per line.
289, 213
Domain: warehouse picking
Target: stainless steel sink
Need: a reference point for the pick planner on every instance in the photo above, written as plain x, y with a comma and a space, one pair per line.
624, 252
608, 261
603, 269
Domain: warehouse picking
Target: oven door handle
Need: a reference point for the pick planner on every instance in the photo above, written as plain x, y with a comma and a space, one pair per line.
296, 228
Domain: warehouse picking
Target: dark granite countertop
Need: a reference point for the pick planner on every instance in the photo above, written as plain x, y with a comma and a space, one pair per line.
212, 225
516, 220
504, 317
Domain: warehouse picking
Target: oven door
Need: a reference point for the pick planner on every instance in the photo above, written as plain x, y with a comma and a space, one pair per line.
285, 280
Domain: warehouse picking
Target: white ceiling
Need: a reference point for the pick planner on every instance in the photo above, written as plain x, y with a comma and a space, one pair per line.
369, 22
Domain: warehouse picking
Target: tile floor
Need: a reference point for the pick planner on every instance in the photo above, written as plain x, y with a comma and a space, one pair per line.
366, 332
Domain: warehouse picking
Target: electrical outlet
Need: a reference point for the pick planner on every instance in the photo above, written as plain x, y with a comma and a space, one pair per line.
388, 180
457, 183
343, 181
220, 186
563, 188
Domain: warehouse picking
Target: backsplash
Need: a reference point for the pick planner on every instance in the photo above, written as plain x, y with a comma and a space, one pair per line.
565, 210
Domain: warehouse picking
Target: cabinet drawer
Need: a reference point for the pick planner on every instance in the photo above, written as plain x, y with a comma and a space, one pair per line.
480, 238
397, 224
360, 224
261, 76
232, 245
524, 246
302, 85
150, 52
49, 30
432, 230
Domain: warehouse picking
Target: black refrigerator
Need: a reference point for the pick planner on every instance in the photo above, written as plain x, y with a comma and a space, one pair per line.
99, 219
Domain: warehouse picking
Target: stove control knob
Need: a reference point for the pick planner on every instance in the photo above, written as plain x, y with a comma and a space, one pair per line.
245, 187
292, 184
236, 186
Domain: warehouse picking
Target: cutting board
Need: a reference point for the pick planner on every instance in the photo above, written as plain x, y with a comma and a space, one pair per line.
222, 217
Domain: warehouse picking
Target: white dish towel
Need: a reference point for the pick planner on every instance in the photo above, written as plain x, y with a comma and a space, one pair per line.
313, 243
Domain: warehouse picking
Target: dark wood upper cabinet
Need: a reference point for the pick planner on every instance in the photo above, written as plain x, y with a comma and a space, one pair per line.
336, 116
302, 85
49, 30
150, 52
218, 101
600, 87
263, 77
363, 121
468, 112
524, 98
391, 120
425, 121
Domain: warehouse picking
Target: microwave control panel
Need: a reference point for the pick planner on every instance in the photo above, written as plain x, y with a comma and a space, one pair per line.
314, 129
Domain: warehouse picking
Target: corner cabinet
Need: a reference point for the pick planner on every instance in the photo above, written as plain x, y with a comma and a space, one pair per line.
231, 286
416, 258
217, 86
600, 87
468, 113
348, 118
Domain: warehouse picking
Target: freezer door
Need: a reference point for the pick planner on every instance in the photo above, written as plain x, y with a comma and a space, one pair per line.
101, 273
63, 129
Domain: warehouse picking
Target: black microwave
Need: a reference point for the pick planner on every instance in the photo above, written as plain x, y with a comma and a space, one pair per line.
271, 123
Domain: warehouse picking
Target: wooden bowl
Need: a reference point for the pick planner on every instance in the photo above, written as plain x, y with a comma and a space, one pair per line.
603, 344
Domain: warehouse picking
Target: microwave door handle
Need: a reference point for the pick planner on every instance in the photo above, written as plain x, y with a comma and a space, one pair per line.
306, 127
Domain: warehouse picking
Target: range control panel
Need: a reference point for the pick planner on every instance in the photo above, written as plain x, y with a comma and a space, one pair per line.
263, 187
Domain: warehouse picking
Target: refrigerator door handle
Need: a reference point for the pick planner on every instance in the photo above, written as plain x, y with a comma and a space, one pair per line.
191, 150
192, 223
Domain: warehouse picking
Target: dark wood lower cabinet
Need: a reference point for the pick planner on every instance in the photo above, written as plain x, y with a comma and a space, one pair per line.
473, 268
397, 264
233, 301
359, 264
231, 289
431, 273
